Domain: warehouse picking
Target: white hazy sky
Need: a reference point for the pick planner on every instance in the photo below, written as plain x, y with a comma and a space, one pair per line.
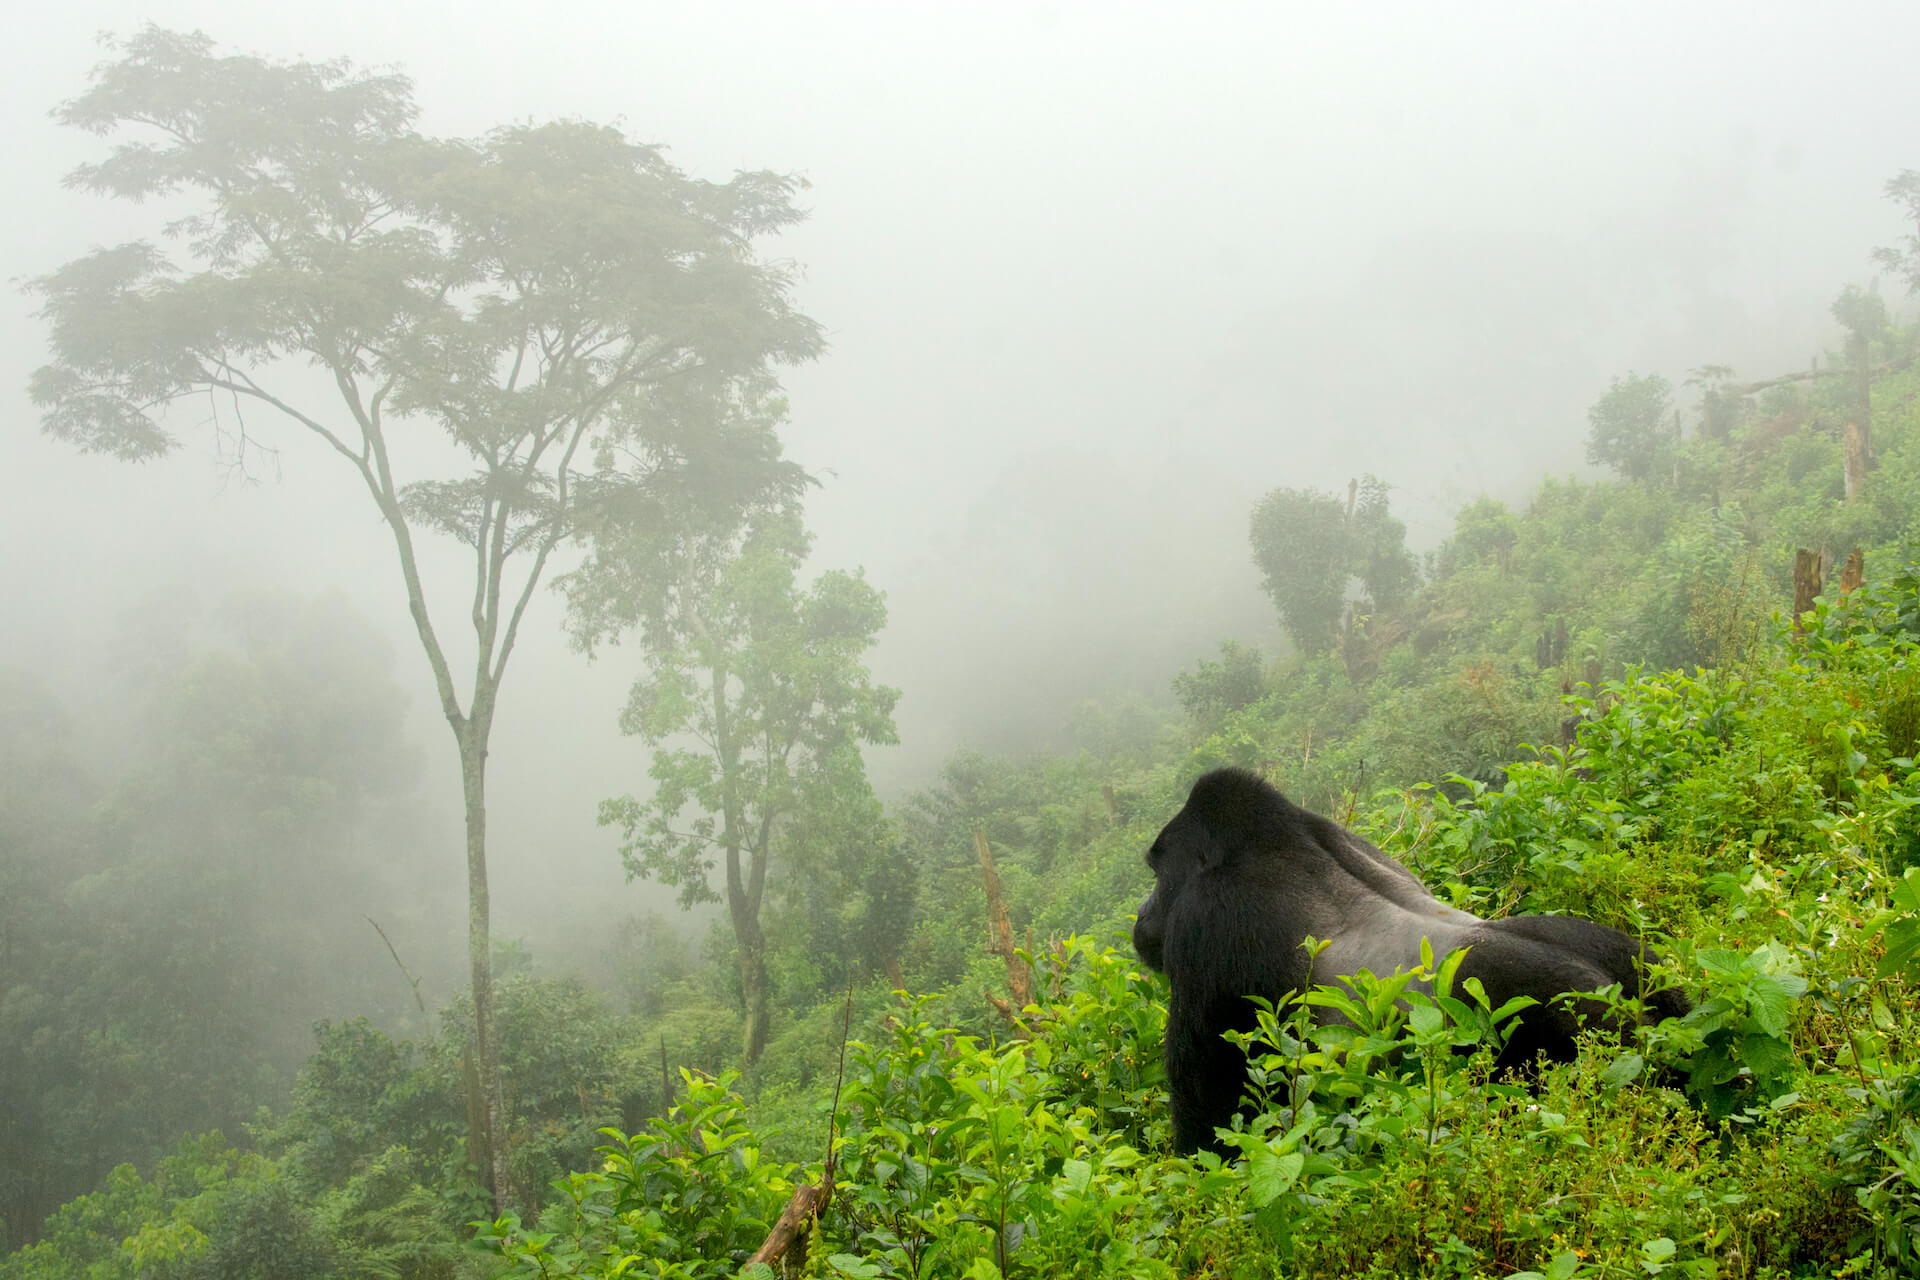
1095, 277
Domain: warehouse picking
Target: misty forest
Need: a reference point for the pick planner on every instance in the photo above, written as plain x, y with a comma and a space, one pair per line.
573, 706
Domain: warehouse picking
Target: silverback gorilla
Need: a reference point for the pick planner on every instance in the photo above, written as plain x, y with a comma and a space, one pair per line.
1242, 877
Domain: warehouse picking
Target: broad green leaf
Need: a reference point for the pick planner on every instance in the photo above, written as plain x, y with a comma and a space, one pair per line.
1906, 891
1903, 945
1772, 1004
1270, 1175
1563, 1265
1622, 1070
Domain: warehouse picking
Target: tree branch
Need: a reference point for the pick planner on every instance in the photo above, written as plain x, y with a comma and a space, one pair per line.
1809, 375
386, 497
239, 384
558, 528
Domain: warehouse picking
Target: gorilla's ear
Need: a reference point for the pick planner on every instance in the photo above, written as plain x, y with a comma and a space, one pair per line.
1207, 847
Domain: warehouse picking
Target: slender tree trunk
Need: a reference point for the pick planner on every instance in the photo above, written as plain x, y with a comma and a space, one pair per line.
473, 770
753, 982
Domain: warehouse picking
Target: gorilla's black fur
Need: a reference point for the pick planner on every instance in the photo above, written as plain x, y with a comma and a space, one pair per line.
1242, 876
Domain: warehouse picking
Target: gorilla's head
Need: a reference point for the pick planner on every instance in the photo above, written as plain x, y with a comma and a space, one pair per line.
1220, 821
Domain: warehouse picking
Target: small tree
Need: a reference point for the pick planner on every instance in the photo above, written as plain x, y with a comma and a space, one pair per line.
1904, 257
1719, 408
1300, 545
1629, 428
1484, 532
770, 682
1863, 314
1214, 690
1310, 546
1380, 557
547, 320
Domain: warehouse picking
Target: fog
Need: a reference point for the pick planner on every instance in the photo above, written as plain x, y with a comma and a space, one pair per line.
1094, 279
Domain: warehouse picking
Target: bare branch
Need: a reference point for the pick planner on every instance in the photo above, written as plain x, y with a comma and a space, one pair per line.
239, 384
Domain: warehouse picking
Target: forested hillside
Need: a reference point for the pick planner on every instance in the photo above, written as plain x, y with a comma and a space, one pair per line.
1683, 701
1591, 703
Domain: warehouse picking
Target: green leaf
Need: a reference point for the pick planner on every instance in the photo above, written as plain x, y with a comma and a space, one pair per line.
1767, 1057
1903, 945
1906, 891
1771, 1004
1508, 1008
1270, 1175
1622, 1070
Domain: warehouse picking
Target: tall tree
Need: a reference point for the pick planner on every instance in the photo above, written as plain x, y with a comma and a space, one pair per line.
769, 681
508, 331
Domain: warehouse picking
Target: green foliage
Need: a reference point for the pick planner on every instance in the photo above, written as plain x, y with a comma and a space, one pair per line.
1301, 548
1309, 545
1904, 258
1879, 1159
1628, 428
177, 929
1863, 314
1381, 560
1214, 690
335, 231
963, 1158
1484, 533
1471, 724
686, 1198
209, 1212
368, 1106
1739, 1035
1379, 1147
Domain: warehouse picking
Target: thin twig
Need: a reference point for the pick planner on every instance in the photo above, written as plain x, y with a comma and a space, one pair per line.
411, 980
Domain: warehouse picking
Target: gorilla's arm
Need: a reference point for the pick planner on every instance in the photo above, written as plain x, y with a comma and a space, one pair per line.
1205, 1074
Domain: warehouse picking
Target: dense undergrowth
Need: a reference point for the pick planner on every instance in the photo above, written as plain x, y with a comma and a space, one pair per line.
1590, 707
1766, 838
